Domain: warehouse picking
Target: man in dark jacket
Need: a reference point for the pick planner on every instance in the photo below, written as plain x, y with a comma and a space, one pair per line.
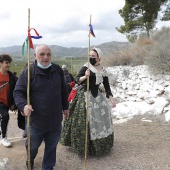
7, 84
48, 100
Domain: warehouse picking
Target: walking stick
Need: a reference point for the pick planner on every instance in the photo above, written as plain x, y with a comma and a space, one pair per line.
28, 96
29, 45
87, 103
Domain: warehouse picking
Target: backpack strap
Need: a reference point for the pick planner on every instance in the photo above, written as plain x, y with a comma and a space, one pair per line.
32, 70
59, 69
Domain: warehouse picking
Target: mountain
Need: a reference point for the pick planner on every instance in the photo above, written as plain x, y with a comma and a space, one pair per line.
59, 51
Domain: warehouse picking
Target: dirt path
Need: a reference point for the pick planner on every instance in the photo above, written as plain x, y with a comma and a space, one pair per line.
138, 146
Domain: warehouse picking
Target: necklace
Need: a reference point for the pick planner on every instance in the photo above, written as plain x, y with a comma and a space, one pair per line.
97, 65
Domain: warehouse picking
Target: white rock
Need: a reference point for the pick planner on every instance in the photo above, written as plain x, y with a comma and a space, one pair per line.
3, 163
166, 84
166, 77
150, 101
136, 86
146, 120
159, 105
167, 90
167, 116
124, 86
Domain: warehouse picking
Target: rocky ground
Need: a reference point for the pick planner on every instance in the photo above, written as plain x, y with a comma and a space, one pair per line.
139, 145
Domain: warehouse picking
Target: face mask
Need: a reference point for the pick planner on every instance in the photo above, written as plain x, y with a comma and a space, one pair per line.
43, 67
93, 61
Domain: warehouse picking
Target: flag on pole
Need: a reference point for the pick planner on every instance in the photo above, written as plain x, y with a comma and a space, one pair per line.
30, 40
35, 37
23, 46
91, 30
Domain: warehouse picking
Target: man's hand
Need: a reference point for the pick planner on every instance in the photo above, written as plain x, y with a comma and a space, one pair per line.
66, 114
27, 110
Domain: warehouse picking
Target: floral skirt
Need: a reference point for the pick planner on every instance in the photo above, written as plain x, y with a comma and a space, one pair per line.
74, 130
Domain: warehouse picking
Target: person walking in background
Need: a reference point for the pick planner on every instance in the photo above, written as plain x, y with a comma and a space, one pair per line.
68, 78
48, 97
15, 75
100, 131
7, 85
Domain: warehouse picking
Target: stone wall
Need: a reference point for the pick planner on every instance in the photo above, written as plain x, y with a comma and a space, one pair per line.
138, 91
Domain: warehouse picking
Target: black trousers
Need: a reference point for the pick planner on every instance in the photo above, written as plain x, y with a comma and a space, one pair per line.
4, 119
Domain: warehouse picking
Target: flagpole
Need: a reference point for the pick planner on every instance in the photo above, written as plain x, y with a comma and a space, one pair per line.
87, 105
28, 95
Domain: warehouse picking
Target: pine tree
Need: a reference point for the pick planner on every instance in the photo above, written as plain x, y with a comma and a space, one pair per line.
140, 17
166, 15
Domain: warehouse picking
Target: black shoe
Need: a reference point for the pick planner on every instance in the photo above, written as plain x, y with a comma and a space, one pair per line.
31, 162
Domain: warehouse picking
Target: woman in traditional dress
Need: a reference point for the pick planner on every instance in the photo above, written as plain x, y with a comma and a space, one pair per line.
100, 127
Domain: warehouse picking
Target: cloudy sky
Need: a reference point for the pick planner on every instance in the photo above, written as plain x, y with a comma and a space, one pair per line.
60, 22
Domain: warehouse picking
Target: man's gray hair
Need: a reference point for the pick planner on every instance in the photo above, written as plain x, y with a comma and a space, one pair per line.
36, 49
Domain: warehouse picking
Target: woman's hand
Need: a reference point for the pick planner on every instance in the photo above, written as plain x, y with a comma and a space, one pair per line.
66, 114
83, 78
112, 102
87, 73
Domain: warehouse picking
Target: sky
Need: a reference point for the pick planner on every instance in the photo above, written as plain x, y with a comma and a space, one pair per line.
61, 22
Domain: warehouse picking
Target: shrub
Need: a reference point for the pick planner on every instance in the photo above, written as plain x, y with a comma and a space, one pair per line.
120, 56
153, 52
158, 57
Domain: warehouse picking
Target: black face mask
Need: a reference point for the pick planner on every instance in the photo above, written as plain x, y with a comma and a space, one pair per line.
93, 61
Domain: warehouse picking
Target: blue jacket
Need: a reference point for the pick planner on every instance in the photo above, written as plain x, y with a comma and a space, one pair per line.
48, 97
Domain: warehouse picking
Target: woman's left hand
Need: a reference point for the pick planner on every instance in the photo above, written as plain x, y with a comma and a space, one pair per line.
112, 102
66, 114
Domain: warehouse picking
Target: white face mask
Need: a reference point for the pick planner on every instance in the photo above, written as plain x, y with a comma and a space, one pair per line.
43, 67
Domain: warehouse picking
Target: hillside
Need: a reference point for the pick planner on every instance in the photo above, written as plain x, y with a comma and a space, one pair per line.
58, 51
